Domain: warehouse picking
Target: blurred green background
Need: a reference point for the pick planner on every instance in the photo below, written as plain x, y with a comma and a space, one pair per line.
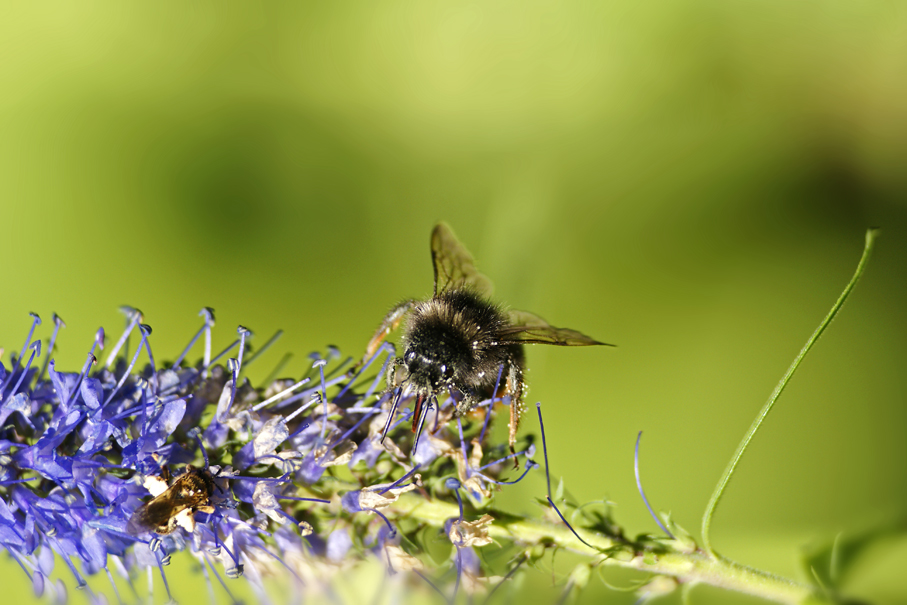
690, 180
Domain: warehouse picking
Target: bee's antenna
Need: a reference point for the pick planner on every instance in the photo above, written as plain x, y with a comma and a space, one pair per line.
217, 476
194, 433
398, 392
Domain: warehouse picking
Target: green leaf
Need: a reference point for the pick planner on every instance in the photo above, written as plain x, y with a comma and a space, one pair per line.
435, 544
559, 492
535, 554
833, 561
577, 581
620, 552
657, 587
581, 574
683, 541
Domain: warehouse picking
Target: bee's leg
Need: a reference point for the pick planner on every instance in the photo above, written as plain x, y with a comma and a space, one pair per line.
391, 378
391, 322
165, 470
465, 402
395, 400
515, 386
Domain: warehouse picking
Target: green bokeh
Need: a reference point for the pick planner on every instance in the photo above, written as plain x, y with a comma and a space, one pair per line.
689, 180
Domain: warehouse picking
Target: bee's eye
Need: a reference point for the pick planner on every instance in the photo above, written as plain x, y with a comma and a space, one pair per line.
447, 372
410, 356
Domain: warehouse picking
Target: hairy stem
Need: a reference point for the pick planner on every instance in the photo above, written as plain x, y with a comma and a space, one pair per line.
695, 567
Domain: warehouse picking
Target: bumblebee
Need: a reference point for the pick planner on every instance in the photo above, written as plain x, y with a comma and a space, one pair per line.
460, 341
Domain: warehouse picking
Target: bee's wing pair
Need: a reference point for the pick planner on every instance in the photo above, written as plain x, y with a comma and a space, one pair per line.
455, 268
529, 328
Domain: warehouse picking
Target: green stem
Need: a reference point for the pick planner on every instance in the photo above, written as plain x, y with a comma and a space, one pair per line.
696, 567
731, 467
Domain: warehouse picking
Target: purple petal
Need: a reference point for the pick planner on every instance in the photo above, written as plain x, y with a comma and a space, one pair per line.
6, 515
224, 402
42, 457
37, 583
9, 537
216, 434
94, 545
339, 542
244, 490
167, 380
287, 540
143, 555
92, 393
46, 560
369, 451
310, 471
426, 452
272, 434
64, 382
166, 422
350, 502
61, 597
96, 435
469, 560
244, 458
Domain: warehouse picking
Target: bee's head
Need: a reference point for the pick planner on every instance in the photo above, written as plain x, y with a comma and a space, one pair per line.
436, 352
426, 373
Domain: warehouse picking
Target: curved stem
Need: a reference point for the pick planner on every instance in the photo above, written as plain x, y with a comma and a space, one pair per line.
871, 235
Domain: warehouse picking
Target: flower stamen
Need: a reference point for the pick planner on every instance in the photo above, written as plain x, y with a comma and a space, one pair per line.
36, 321
643, 493
494, 395
35, 350
538, 407
133, 317
265, 347
58, 323
208, 315
128, 371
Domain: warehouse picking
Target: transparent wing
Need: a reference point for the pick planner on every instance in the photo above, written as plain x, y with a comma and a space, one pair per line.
140, 522
454, 267
531, 329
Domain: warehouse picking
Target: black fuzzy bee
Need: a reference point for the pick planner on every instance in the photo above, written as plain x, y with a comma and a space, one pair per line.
173, 504
458, 340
